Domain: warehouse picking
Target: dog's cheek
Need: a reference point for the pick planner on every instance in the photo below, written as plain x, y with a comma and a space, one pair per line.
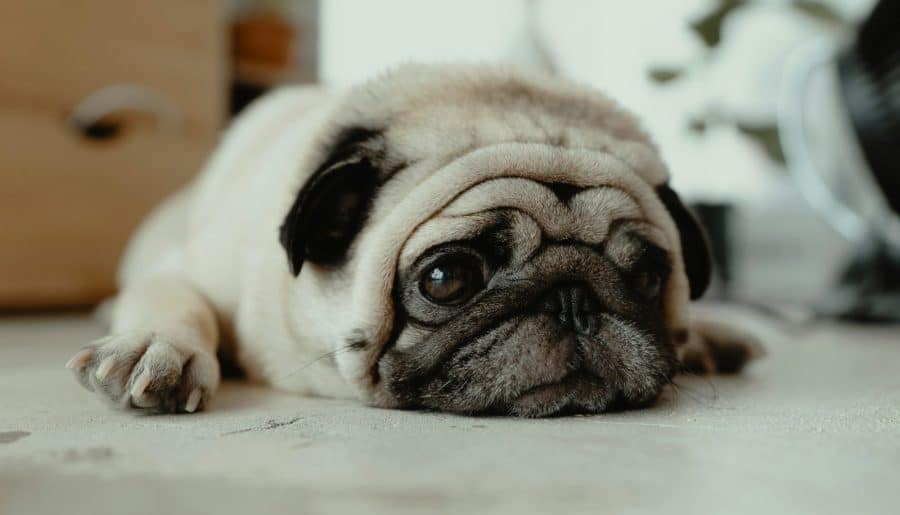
495, 368
460, 384
632, 361
394, 387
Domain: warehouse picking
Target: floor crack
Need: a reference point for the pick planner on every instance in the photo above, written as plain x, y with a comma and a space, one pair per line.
269, 425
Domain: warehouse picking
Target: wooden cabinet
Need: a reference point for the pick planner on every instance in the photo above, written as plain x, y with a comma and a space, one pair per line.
151, 74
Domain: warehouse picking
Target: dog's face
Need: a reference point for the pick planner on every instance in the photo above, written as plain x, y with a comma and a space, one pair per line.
513, 320
539, 286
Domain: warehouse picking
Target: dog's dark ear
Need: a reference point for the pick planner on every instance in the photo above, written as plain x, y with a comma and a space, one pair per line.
332, 205
694, 246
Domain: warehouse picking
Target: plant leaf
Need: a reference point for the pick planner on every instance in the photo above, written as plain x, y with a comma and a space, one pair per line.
709, 27
697, 125
767, 136
820, 11
662, 75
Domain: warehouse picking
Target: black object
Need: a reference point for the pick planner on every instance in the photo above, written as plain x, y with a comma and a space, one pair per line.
99, 130
243, 94
869, 288
869, 74
869, 77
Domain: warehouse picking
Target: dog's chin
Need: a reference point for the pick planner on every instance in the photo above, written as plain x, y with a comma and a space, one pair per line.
579, 393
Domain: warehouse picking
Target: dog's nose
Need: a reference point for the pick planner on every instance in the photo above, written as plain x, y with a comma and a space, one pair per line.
575, 306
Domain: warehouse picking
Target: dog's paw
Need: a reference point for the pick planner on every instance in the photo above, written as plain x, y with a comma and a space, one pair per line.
717, 349
146, 370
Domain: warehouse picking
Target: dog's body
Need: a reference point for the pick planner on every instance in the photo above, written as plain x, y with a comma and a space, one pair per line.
463, 239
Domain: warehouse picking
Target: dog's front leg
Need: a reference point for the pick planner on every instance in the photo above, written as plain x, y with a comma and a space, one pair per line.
161, 352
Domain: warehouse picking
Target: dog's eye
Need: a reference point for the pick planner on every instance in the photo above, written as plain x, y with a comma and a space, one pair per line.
452, 280
648, 284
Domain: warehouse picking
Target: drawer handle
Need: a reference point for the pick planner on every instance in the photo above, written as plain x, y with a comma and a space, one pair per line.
94, 117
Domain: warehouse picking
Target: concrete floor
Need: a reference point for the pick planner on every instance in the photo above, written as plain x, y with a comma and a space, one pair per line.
813, 428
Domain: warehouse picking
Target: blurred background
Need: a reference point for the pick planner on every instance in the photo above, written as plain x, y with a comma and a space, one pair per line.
776, 117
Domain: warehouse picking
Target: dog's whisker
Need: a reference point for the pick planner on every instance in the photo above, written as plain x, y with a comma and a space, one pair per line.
693, 394
317, 359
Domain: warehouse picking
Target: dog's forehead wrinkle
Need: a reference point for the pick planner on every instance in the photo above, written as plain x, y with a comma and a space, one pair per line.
630, 240
495, 225
518, 234
507, 229
582, 214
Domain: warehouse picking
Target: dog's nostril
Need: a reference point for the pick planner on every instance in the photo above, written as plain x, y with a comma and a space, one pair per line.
551, 304
575, 306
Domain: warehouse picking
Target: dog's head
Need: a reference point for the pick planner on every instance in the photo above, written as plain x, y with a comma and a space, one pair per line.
495, 242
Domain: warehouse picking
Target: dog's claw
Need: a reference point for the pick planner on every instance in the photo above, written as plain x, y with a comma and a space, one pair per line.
193, 401
105, 367
140, 384
80, 360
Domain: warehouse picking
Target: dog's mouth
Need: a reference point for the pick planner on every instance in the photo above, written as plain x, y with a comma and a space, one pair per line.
529, 366
546, 393
577, 392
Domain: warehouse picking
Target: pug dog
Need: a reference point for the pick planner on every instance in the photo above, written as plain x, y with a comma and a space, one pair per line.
457, 238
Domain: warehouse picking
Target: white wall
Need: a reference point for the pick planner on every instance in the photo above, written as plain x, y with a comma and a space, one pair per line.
361, 38
610, 44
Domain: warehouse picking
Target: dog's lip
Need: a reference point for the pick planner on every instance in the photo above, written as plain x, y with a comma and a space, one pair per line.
546, 392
